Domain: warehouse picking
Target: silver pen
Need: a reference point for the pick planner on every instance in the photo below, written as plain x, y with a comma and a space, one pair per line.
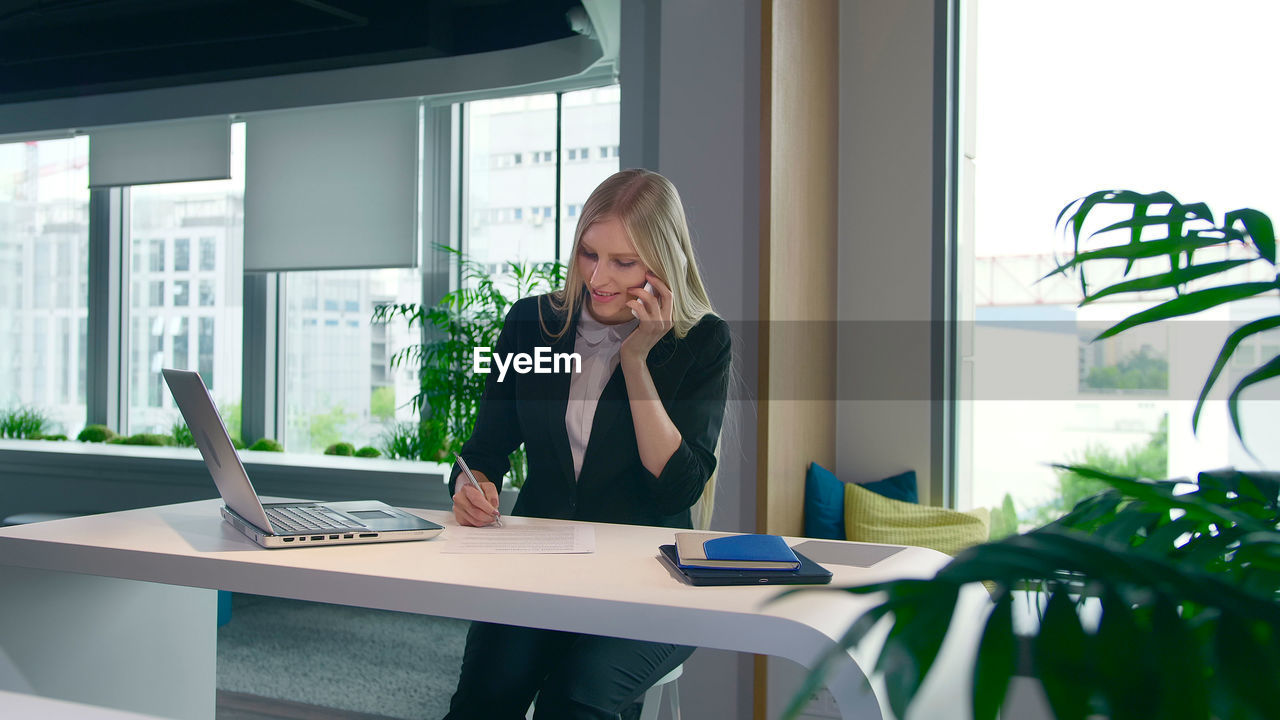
497, 517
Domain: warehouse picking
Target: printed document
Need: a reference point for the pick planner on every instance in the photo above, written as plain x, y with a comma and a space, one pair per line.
517, 539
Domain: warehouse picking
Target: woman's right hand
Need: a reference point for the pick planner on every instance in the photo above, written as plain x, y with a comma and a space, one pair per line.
473, 507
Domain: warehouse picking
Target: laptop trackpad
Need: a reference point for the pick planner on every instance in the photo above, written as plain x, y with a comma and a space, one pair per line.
377, 515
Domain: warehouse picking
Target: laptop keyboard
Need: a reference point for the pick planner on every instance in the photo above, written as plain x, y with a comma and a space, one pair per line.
306, 519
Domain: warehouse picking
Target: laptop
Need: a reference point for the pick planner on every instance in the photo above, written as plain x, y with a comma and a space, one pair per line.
282, 525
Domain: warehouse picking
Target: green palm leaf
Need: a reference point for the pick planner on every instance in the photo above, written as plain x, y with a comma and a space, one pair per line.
1063, 655
913, 643
1190, 304
1258, 228
1181, 682
1228, 348
995, 663
1187, 575
1146, 249
1269, 369
1247, 657
1171, 279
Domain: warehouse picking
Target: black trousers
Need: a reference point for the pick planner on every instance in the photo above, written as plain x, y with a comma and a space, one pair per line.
574, 676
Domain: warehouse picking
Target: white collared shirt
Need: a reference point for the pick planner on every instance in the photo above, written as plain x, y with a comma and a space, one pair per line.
598, 345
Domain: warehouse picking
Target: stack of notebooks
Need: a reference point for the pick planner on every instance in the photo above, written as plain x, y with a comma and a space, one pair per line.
717, 559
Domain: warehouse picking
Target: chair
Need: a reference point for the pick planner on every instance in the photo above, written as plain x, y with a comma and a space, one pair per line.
652, 697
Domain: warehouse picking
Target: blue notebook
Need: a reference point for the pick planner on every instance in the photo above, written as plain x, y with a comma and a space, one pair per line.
734, 552
810, 573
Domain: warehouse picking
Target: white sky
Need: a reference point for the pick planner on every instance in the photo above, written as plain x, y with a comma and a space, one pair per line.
1146, 95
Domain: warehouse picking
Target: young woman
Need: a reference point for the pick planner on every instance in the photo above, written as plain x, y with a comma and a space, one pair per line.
629, 439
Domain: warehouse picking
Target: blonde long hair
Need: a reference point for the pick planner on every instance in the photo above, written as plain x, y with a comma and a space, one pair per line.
649, 208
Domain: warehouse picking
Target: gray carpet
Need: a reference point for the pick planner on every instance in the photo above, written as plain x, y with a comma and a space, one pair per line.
372, 661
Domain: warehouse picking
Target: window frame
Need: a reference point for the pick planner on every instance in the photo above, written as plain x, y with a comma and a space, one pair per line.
443, 203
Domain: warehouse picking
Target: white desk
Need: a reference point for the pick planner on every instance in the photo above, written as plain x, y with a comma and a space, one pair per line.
75, 624
19, 705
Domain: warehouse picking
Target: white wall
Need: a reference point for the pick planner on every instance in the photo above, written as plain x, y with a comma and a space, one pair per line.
886, 239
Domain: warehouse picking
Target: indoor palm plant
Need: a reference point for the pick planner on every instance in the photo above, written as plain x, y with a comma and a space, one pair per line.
1156, 598
449, 392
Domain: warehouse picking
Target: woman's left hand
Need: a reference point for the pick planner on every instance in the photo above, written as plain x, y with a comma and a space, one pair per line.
654, 312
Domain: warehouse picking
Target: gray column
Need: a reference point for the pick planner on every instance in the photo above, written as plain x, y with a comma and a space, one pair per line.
260, 392
108, 301
640, 73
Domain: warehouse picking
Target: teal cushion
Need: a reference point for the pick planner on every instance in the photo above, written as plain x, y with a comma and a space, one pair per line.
899, 487
823, 504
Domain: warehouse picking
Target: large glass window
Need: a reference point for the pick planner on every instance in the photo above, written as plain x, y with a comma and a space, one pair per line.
339, 384
529, 164
44, 261
510, 180
511, 171
1068, 101
165, 221
589, 120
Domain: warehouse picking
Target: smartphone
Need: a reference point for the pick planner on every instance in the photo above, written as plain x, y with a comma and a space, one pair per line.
648, 287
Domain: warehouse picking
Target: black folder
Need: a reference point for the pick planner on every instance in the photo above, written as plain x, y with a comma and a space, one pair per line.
809, 573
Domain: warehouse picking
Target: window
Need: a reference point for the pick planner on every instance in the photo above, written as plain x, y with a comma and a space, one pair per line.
166, 214
507, 160
179, 344
1053, 124
514, 213
182, 270
589, 119
182, 254
44, 259
334, 369
502, 126
209, 253
205, 352
157, 256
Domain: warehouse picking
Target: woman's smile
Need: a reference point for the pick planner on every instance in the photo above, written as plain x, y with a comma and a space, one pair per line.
609, 265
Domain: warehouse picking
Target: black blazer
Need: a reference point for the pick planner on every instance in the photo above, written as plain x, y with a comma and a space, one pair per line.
692, 378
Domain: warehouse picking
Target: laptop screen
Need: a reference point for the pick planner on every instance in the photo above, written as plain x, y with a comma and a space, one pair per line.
219, 454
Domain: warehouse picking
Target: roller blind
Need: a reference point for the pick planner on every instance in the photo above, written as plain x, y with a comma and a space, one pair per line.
160, 152
332, 188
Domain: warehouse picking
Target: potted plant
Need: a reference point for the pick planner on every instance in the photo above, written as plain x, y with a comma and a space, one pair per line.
23, 423
449, 392
1156, 598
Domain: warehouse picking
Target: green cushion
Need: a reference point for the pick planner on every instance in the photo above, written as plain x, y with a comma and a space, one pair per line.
869, 517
